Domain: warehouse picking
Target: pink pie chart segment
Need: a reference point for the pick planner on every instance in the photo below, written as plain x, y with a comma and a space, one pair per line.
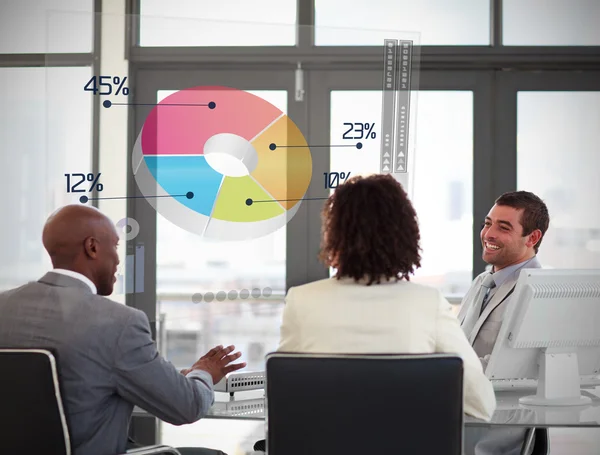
183, 122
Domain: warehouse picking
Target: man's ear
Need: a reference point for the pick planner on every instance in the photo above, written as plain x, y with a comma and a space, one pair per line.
533, 238
90, 245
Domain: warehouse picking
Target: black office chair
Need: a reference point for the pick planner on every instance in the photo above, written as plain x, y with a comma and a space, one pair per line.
364, 404
540, 440
32, 418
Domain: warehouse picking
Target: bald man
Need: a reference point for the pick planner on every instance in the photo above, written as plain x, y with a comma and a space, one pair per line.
81, 240
107, 359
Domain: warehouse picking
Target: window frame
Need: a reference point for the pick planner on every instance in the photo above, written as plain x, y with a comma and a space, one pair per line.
501, 71
492, 56
508, 85
148, 82
53, 60
322, 83
73, 60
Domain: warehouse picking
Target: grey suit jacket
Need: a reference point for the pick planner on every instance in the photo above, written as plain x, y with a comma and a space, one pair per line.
486, 329
107, 361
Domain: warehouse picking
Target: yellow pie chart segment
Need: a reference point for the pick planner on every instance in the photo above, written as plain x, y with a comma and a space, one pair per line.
232, 202
285, 172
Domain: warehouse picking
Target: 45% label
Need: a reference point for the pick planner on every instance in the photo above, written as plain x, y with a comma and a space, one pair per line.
97, 83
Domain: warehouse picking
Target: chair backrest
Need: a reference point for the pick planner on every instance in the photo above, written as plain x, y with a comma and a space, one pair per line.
364, 404
32, 419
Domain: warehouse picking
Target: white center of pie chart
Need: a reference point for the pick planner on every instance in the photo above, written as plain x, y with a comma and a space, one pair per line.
230, 155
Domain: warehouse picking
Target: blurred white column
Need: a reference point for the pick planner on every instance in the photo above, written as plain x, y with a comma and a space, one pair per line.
114, 151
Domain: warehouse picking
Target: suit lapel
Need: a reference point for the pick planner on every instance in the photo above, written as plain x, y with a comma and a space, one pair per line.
468, 299
496, 300
500, 296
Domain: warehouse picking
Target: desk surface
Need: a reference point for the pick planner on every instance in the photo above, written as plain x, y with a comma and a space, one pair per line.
509, 412
250, 405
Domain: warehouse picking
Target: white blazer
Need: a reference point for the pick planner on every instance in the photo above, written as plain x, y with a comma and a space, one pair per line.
337, 317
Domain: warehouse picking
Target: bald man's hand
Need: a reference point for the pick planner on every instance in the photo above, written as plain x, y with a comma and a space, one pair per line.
217, 362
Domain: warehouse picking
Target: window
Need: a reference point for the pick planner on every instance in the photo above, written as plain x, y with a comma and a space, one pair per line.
230, 291
551, 23
45, 133
181, 348
442, 179
562, 169
368, 23
223, 23
50, 26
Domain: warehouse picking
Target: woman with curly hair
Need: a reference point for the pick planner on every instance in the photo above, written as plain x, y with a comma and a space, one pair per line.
371, 237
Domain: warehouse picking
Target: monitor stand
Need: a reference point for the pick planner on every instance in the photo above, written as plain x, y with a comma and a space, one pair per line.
558, 380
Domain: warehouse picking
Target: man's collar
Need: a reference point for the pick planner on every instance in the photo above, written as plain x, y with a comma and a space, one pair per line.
504, 274
78, 276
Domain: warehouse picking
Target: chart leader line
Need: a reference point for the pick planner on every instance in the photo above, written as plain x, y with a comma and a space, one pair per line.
250, 201
275, 146
107, 104
84, 199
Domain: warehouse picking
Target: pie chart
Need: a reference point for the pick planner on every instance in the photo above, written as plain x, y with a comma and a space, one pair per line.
222, 163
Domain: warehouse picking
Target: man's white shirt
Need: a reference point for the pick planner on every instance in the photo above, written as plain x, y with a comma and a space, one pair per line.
78, 276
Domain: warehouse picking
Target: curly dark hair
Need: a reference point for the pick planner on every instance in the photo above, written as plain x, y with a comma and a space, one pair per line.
370, 230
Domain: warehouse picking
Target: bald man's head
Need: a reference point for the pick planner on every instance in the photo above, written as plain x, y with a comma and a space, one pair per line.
82, 239
66, 229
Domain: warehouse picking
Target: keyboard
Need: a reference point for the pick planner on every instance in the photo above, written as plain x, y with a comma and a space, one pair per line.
503, 385
242, 408
237, 382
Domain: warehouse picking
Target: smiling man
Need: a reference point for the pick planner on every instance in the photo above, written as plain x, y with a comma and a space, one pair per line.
511, 236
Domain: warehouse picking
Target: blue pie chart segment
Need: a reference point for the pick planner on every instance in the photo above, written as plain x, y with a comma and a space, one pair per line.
181, 174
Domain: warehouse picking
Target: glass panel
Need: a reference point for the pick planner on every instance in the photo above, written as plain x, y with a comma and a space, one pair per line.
233, 437
551, 23
192, 271
223, 292
562, 169
224, 23
45, 133
51, 26
442, 179
179, 347
442, 22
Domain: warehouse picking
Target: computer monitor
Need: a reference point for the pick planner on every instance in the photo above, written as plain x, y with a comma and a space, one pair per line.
550, 333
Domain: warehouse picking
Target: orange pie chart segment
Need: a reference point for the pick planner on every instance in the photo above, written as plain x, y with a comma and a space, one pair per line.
285, 172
